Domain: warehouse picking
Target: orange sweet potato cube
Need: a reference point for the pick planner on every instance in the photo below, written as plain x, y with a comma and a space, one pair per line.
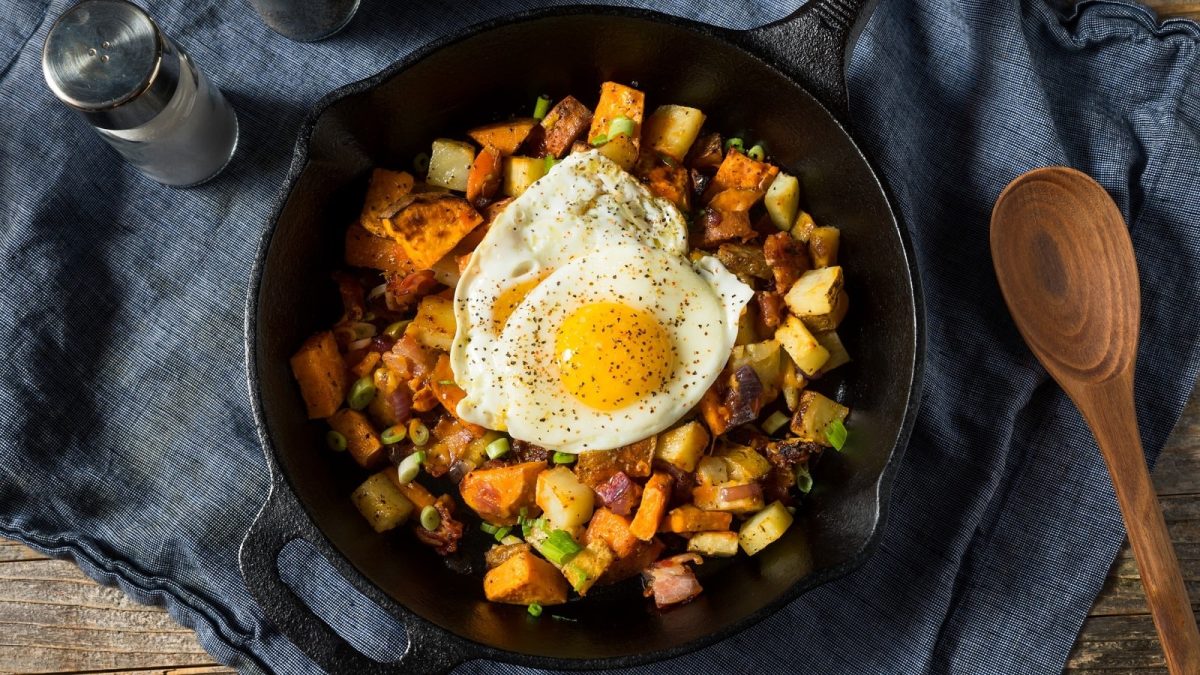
364, 249
428, 225
498, 494
739, 172
524, 579
654, 503
361, 440
613, 530
504, 136
321, 372
688, 518
385, 189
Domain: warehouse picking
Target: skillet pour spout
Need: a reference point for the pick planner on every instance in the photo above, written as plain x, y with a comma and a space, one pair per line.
784, 85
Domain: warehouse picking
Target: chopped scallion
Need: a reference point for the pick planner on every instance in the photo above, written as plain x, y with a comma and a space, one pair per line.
757, 153
497, 448
621, 126
361, 393
836, 434
804, 481
393, 434
564, 458
502, 532
430, 518
535, 609
510, 540
418, 432
446, 382
549, 162
735, 143
774, 422
560, 547
599, 140
541, 107
395, 330
409, 467
488, 527
421, 163
336, 441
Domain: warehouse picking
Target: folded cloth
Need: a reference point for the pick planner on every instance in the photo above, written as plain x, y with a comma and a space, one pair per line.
126, 441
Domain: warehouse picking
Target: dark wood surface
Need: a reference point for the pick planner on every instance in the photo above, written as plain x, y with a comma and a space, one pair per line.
53, 619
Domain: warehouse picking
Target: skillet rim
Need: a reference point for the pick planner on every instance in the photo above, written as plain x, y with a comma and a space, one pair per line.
470, 649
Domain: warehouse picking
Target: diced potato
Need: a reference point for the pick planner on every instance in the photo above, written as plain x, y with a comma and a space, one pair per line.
499, 494
813, 416
783, 200
594, 467
622, 150
585, 568
714, 544
764, 527
792, 383
524, 579
361, 440
613, 530
434, 324
565, 501
747, 332
803, 227
818, 298
801, 346
617, 100
385, 189
713, 497
671, 130
682, 446
364, 249
838, 356
520, 173
764, 358
712, 471
687, 518
654, 504
319, 369
504, 136
378, 500
823, 246
450, 163
745, 464
476, 452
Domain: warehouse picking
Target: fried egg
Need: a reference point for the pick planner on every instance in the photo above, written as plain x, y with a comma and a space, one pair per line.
581, 322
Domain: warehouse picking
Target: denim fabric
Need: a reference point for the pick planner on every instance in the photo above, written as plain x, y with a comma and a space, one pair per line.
126, 442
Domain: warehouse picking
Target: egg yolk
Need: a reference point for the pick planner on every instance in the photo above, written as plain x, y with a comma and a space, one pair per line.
610, 355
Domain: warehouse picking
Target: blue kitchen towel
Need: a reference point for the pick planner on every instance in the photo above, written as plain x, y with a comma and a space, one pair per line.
126, 441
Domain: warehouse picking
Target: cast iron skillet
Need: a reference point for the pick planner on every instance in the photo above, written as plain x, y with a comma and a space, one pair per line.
783, 84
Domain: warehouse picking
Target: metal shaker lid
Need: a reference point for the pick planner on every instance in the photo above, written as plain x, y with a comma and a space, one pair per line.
108, 60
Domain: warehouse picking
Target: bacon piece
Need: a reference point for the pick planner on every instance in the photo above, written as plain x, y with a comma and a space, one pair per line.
619, 493
744, 398
409, 359
790, 452
787, 259
445, 538
771, 308
403, 291
671, 581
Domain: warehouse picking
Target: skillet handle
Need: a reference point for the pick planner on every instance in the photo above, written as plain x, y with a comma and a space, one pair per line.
282, 520
813, 46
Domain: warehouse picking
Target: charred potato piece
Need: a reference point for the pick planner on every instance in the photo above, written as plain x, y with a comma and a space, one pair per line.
818, 298
814, 414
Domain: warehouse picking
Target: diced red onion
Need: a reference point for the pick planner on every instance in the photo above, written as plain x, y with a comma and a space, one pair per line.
736, 493
360, 344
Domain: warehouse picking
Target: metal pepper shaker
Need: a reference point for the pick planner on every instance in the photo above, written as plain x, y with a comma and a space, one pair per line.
109, 61
306, 20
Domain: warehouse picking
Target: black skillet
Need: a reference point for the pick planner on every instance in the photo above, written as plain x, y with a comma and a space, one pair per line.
783, 84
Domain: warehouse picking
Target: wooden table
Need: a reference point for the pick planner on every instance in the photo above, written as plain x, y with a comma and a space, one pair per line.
53, 619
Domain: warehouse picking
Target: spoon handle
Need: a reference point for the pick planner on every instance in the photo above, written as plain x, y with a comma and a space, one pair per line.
1110, 414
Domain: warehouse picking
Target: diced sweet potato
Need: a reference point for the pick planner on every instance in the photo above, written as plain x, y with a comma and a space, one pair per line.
364, 249
671, 183
484, 177
429, 225
498, 494
563, 125
712, 409
654, 504
737, 171
524, 579
361, 439
786, 258
384, 191
617, 100
504, 136
366, 365
687, 518
319, 369
735, 199
434, 324
613, 530
631, 565
449, 393
717, 227
596, 466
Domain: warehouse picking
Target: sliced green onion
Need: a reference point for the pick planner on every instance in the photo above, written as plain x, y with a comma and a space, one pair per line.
735, 143
836, 434
335, 440
541, 107
361, 393
393, 434
409, 467
528, 525
488, 527
446, 382
497, 448
395, 330
757, 153
418, 432
599, 140
774, 422
560, 547
549, 162
804, 481
510, 540
621, 126
535, 609
430, 518
421, 163
564, 458
502, 532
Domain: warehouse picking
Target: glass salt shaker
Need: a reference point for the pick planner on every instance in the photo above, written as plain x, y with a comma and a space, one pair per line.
306, 20
108, 60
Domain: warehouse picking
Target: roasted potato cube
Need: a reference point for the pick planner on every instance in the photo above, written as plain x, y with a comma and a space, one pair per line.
434, 324
361, 440
765, 358
803, 227
745, 464
712, 471
818, 298
783, 200
801, 346
838, 356
613, 530
792, 383
450, 164
385, 189
504, 136
319, 369
687, 518
617, 100
813, 416
585, 568
563, 125
671, 130
823, 246
428, 225
498, 494
683, 446
734, 497
364, 249
622, 150
654, 504
593, 467
378, 500
524, 579
565, 502
747, 328
520, 173
764, 527
739, 172
714, 544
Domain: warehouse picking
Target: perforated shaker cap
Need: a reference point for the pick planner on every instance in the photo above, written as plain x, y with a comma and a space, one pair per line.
108, 60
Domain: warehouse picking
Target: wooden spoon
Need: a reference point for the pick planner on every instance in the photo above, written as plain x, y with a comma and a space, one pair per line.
1065, 264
